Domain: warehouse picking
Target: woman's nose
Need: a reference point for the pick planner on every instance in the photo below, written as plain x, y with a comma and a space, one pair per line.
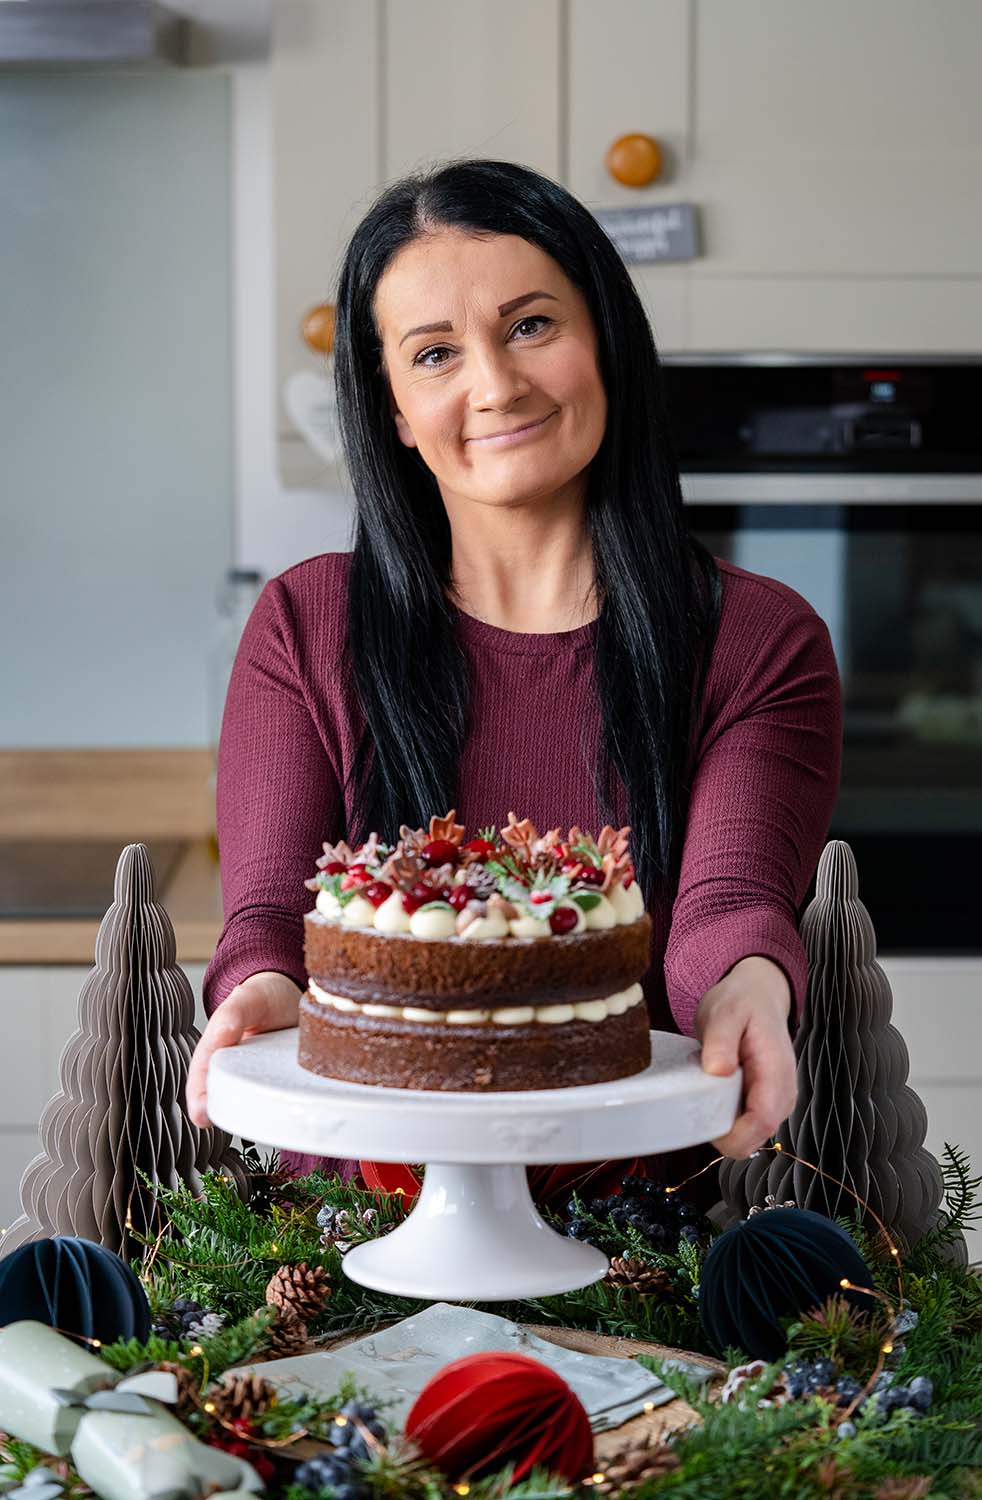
497, 379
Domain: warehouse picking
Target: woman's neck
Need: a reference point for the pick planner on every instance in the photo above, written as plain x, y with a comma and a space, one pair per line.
523, 573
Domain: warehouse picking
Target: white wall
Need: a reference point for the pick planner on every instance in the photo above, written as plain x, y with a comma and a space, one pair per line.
115, 403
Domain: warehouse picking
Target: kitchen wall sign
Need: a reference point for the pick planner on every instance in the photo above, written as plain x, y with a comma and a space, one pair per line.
656, 231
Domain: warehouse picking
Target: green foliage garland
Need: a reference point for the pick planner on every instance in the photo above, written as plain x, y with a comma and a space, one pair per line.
221, 1253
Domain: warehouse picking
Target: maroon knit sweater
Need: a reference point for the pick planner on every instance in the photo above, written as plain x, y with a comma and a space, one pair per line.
767, 749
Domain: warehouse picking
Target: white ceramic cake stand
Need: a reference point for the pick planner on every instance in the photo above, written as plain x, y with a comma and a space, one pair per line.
474, 1234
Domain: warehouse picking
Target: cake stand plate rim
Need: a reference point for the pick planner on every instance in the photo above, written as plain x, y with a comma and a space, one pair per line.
258, 1089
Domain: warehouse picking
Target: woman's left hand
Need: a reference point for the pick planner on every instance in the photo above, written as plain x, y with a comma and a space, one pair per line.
743, 1021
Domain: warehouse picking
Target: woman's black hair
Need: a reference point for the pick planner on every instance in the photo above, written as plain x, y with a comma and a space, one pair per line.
658, 587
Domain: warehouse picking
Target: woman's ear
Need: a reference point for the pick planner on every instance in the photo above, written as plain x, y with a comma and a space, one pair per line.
402, 426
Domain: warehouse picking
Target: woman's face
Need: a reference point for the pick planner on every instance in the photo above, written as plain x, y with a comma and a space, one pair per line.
500, 360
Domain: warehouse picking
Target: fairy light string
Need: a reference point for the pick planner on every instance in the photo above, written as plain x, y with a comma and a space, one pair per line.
778, 1149
887, 1347
207, 1406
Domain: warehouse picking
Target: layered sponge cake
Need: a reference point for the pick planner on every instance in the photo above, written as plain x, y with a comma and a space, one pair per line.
505, 961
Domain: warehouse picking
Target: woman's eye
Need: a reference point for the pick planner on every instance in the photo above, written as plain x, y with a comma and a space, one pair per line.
534, 318
440, 348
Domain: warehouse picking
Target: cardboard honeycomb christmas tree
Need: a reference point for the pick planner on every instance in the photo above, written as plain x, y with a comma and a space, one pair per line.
119, 1114
856, 1117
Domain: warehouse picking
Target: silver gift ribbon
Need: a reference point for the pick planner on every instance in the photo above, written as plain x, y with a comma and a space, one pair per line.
38, 1483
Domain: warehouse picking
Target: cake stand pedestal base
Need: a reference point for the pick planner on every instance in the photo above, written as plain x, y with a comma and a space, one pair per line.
474, 1235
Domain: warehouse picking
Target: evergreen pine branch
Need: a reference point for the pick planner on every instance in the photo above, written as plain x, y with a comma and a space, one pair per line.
962, 1191
738, 1450
238, 1343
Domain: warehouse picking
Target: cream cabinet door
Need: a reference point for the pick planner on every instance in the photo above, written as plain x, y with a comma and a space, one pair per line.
628, 71
468, 78
833, 151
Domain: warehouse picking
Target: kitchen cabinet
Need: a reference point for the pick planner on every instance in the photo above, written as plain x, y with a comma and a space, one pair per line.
832, 152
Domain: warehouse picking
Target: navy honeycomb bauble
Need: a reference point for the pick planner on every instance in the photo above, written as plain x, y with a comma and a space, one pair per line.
777, 1264
76, 1286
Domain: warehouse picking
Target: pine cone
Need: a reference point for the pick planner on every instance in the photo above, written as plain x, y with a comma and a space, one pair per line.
481, 884
304, 1288
629, 1271
635, 1463
287, 1334
241, 1396
187, 1388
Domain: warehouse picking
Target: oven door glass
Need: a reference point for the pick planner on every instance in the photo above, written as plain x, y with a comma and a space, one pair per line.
900, 588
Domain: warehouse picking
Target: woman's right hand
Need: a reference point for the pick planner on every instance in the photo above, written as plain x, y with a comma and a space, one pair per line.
267, 1001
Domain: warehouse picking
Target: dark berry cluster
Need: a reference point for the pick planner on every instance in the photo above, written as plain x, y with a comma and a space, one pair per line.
181, 1320
661, 1216
806, 1378
339, 1470
916, 1397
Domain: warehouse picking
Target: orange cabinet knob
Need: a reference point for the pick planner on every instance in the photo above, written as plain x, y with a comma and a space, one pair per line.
635, 159
318, 328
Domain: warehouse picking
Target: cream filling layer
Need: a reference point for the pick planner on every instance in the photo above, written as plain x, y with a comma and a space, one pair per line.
506, 1015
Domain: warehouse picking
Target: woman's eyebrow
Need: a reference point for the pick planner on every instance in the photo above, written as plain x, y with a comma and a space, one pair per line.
503, 311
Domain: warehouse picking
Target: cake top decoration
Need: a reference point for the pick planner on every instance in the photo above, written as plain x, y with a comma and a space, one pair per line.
515, 871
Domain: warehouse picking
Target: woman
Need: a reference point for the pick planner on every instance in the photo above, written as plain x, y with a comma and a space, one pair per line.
529, 627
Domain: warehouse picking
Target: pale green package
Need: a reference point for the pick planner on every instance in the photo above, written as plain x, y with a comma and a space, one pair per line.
35, 1363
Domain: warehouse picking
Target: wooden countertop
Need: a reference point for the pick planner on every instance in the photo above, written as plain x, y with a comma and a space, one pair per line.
192, 899
52, 797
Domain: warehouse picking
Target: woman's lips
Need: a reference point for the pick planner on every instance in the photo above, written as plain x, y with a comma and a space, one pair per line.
505, 439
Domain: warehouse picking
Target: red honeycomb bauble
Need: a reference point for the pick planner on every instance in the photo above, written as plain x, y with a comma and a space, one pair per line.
485, 1411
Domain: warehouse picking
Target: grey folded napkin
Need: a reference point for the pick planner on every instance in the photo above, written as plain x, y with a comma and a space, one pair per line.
395, 1364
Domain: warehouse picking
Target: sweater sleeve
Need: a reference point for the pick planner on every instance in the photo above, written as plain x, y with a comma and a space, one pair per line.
277, 801
761, 801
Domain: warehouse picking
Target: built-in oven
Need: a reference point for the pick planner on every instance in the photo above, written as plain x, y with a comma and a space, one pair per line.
858, 481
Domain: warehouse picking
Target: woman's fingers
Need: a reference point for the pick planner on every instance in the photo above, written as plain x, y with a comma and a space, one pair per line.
225, 1029
722, 1034
265, 1001
768, 1063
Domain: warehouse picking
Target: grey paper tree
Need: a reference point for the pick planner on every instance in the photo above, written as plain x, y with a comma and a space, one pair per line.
120, 1110
856, 1117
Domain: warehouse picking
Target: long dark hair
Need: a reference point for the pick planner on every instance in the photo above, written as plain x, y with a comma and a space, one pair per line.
658, 587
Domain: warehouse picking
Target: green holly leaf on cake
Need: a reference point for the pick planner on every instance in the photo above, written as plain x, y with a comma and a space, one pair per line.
586, 900
540, 898
587, 852
506, 867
